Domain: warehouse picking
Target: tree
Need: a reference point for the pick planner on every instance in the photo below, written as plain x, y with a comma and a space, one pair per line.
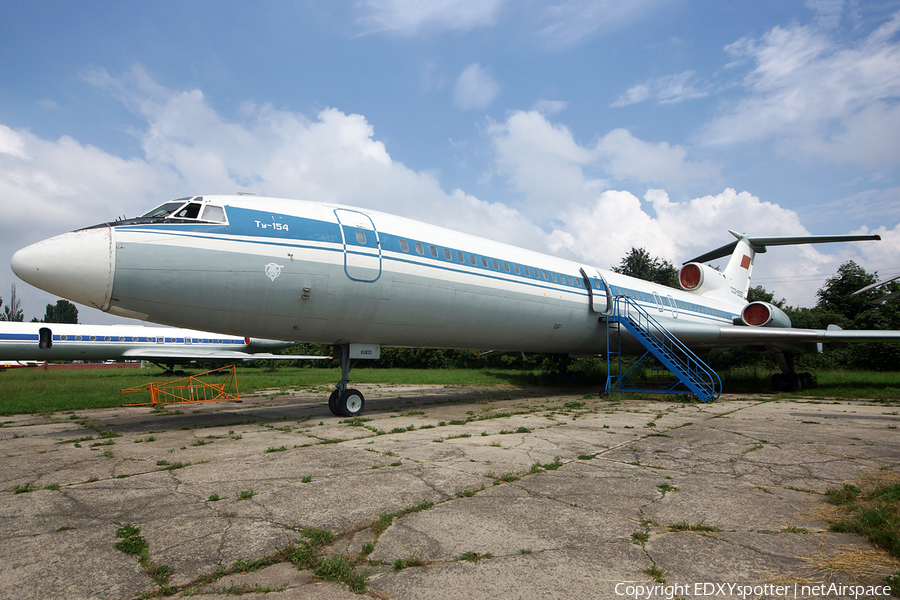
638, 263
63, 312
760, 294
837, 295
13, 310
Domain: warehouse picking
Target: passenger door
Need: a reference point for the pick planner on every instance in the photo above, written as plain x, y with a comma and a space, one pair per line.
362, 246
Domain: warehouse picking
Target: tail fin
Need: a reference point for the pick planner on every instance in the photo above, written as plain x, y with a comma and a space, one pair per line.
744, 250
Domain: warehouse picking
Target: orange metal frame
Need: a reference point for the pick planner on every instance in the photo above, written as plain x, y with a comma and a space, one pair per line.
189, 389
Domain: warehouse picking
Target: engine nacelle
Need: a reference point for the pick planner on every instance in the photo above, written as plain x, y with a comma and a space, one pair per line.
763, 314
700, 278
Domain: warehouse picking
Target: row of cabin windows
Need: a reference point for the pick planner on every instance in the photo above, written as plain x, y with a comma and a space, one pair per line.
668, 302
121, 338
493, 262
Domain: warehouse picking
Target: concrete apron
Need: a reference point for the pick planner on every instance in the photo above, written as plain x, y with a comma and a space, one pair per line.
566, 496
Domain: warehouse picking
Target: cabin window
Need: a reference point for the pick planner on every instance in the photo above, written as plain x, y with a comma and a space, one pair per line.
419, 248
361, 236
93, 338
191, 211
63, 338
484, 262
546, 277
518, 272
578, 283
496, 264
447, 254
506, 266
135, 339
434, 253
404, 245
527, 271
553, 276
107, 338
473, 260
121, 338
460, 257
214, 213
77, 338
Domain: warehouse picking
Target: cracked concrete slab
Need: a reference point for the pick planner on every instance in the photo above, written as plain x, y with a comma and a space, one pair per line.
492, 492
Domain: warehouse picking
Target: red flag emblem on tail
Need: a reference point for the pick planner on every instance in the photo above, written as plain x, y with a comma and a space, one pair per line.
745, 262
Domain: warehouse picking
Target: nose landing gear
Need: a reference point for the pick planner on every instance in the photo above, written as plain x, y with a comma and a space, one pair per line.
344, 401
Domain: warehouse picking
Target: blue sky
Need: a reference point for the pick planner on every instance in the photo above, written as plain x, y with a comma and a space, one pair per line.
575, 127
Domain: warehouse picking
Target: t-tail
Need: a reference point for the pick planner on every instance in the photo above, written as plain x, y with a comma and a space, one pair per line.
733, 283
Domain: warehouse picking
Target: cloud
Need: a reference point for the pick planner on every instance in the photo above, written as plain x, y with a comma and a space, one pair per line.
568, 204
568, 188
819, 97
665, 90
550, 107
475, 88
410, 17
570, 22
544, 162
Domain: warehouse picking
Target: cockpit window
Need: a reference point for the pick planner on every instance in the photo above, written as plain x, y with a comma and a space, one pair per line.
165, 210
214, 213
191, 211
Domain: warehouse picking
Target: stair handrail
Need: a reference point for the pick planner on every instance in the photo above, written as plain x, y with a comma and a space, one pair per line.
692, 367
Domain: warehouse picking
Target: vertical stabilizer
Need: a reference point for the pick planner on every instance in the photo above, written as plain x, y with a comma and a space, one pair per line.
740, 265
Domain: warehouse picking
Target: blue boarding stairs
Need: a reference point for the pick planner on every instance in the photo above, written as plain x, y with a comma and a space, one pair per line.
693, 375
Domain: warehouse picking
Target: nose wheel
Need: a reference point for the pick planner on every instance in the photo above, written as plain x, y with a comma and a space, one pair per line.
344, 401
348, 403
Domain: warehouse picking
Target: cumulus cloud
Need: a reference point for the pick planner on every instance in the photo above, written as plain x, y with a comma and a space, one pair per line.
569, 187
544, 161
409, 17
569, 206
475, 88
816, 96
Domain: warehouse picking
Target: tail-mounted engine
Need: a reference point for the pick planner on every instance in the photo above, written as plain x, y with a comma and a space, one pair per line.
763, 314
700, 278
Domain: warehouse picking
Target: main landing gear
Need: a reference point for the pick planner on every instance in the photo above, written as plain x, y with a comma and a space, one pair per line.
344, 401
790, 380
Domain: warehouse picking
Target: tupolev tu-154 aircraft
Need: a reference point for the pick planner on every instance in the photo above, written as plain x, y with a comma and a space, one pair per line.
359, 279
159, 345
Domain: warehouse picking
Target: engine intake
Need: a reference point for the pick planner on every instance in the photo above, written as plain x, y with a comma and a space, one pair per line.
763, 314
700, 278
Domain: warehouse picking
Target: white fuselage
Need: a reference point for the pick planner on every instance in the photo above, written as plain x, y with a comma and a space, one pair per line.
313, 272
61, 341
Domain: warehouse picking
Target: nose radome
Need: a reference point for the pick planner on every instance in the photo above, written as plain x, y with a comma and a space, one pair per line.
78, 266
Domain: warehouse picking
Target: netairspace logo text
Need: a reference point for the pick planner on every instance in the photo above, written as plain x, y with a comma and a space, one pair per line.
741, 590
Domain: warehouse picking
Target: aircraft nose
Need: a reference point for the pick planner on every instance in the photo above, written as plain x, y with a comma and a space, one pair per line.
78, 266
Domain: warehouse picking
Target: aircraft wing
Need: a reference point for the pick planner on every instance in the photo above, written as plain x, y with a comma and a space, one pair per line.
152, 354
709, 336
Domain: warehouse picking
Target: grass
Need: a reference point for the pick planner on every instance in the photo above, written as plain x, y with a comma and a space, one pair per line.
873, 513
700, 526
306, 555
39, 391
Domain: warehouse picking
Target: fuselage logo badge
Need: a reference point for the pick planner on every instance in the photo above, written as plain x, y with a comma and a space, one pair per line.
273, 270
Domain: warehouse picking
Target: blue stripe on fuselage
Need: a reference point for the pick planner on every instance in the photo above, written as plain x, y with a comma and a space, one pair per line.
301, 232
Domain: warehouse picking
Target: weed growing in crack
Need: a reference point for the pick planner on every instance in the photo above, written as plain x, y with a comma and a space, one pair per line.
473, 556
657, 574
699, 526
132, 542
640, 537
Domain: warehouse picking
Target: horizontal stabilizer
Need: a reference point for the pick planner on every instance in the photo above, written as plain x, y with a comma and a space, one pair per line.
874, 285
759, 243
